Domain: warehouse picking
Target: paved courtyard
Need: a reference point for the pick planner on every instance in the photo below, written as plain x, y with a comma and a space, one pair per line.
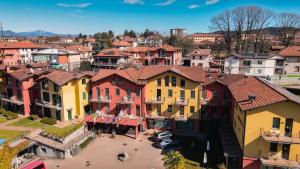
102, 153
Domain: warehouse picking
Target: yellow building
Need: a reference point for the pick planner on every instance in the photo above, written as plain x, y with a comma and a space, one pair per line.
266, 121
64, 95
172, 93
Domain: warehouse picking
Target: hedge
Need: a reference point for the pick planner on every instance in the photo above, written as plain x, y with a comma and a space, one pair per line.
62, 132
8, 114
33, 117
48, 120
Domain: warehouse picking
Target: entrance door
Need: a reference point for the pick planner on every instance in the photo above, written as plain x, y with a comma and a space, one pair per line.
158, 93
181, 110
288, 127
285, 151
58, 117
70, 114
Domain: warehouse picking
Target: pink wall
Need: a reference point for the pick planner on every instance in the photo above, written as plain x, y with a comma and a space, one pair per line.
125, 84
251, 163
11, 60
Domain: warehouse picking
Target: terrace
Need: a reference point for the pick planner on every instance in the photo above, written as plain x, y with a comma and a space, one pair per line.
43, 103
154, 100
101, 99
12, 99
273, 136
126, 100
181, 102
275, 160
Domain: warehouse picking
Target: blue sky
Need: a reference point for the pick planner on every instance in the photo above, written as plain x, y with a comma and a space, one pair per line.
89, 16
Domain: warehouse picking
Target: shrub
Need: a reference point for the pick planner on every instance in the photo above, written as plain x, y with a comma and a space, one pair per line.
47, 120
33, 117
2, 111
11, 114
9, 118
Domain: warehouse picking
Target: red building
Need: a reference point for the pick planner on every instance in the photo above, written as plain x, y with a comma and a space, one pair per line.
117, 98
21, 90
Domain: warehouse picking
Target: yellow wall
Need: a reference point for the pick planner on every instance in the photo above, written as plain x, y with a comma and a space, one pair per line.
151, 91
238, 124
260, 120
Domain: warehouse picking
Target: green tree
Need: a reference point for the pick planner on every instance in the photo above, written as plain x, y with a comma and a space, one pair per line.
85, 66
173, 160
130, 33
185, 43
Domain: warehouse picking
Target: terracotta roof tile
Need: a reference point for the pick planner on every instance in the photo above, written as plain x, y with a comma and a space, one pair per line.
289, 51
113, 52
78, 48
17, 45
121, 43
24, 74
62, 77
200, 52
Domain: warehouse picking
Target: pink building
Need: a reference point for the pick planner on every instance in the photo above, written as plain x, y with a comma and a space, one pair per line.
21, 90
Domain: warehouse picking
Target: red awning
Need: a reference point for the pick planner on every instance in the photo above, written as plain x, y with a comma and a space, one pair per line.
126, 120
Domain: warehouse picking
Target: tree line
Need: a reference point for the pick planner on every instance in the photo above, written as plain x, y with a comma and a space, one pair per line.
244, 28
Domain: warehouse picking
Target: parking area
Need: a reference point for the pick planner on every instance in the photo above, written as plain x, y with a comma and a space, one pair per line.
103, 151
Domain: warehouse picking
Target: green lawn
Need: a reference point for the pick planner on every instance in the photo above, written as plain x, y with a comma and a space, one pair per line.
29, 123
62, 132
21, 122
9, 134
2, 119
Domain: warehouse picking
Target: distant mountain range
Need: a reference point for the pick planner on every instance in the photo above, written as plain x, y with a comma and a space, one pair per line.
35, 33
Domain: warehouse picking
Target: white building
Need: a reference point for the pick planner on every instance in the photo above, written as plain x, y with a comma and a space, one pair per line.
263, 65
199, 57
292, 60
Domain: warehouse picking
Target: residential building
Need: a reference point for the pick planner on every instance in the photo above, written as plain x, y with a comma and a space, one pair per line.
262, 65
59, 58
159, 55
109, 58
292, 60
84, 52
14, 53
199, 57
21, 90
89, 42
266, 124
178, 32
121, 44
199, 38
64, 95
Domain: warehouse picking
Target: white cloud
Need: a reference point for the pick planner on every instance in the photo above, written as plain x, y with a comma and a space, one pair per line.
79, 5
211, 2
134, 2
166, 3
194, 6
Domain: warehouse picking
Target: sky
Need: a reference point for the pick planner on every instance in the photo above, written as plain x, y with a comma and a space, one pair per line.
90, 16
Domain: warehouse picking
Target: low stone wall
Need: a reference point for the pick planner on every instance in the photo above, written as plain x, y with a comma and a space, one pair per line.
75, 134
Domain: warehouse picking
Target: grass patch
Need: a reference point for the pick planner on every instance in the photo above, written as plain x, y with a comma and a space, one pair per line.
36, 124
86, 142
10, 134
29, 123
62, 132
295, 76
2, 119
21, 122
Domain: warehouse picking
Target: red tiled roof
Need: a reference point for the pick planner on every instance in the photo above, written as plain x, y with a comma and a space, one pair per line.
24, 74
264, 94
130, 75
112, 53
62, 77
146, 48
17, 45
225, 79
121, 43
78, 48
289, 51
200, 52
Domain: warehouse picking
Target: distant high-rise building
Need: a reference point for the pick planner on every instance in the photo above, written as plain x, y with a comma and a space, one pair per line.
179, 32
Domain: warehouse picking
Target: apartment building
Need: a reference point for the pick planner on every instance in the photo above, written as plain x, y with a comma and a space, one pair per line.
84, 52
199, 57
109, 58
199, 38
266, 124
292, 60
64, 95
262, 65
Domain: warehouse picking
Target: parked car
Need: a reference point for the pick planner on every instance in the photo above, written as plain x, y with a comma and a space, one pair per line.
165, 143
163, 135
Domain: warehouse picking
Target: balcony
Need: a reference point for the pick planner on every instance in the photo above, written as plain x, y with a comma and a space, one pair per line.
101, 99
154, 100
274, 135
275, 160
181, 118
126, 100
12, 99
181, 102
43, 103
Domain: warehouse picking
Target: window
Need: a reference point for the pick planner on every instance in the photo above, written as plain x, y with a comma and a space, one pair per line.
137, 93
138, 110
113, 81
173, 81
159, 109
170, 93
167, 81
158, 82
128, 92
45, 84
54, 100
276, 123
194, 57
182, 95
169, 108
117, 91
19, 93
18, 84
182, 83
46, 96
56, 88
297, 68
192, 109
192, 94
259, 62
106, 91
98, 91
247, 62
273, 147
83, 81
214, 93
83, 95
9, 81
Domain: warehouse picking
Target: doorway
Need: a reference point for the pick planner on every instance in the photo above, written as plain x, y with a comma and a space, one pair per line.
285, 151
288, 127
158, 93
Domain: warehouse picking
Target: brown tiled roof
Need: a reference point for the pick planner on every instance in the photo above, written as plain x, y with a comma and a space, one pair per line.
168, 48
121, 43
17, 45
289, 51
112, 53
265, 95
225, 79
62, 77
140, 49
78, 48
24, 74
200, 52
130, 75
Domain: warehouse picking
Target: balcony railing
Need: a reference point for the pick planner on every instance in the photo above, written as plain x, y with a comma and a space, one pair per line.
101, 99
126, 100
12, 99
154, 100
274, 135
43, 103
275, 159
181, 102
181, 118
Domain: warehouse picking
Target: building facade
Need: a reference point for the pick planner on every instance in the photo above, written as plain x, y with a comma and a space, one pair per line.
199, 57
292, 60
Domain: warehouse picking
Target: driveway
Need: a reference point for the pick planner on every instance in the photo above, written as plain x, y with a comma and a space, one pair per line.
102, 153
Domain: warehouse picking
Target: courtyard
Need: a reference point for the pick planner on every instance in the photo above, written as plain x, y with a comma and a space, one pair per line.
102, 153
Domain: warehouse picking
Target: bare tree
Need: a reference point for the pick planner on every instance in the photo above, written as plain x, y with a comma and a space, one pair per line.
223, 24
288, 24
238, 18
